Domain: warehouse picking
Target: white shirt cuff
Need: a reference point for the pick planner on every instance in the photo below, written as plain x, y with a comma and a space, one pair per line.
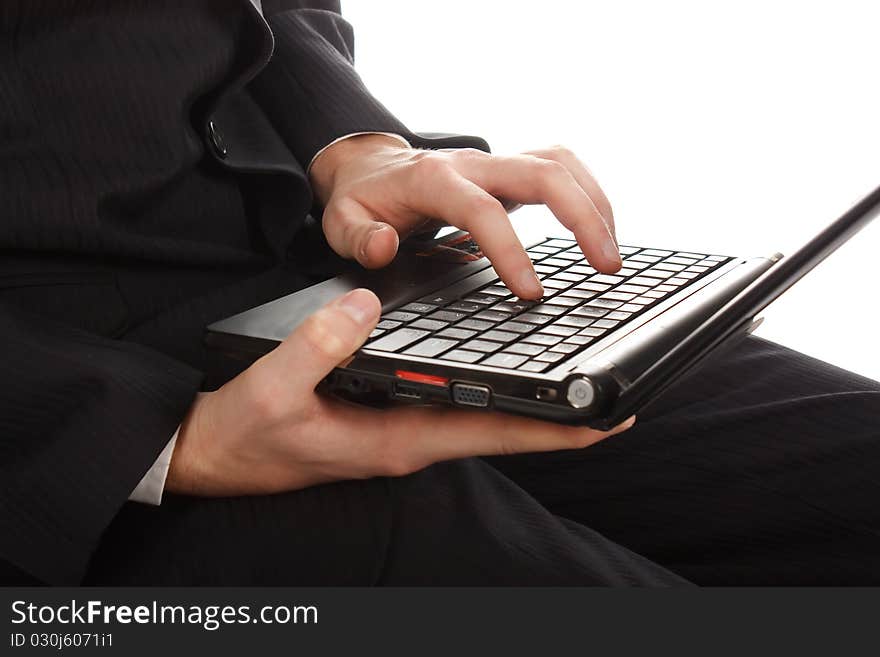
357, 134
151, 487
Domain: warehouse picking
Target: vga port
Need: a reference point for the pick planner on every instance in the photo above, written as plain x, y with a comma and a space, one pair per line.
468, 394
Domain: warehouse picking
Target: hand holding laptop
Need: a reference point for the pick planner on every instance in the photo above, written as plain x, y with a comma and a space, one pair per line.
375, 191
267, 431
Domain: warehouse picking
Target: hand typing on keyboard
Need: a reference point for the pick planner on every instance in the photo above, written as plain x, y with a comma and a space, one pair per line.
267, 431
376, 192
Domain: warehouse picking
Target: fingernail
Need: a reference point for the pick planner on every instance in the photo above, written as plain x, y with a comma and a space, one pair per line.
529, 282
360, 305
375, 228
610, 249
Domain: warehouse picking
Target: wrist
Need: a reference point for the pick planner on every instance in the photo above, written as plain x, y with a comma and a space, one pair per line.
325, 168
187, 465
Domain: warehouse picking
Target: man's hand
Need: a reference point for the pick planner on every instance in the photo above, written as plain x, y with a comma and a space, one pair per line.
266, 431
376, 192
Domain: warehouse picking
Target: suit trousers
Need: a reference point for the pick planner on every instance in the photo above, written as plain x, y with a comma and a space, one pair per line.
761, 468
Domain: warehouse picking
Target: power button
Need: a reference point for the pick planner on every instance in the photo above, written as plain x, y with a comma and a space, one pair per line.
580, 393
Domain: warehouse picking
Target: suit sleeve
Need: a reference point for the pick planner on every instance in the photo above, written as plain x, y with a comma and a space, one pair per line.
310, 89
82, 418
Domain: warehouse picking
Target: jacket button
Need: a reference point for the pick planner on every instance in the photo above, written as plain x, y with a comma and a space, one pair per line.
217, 142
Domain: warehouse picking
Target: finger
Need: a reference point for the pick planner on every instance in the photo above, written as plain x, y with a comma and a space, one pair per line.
403, 440
529, 179
584, 178
322, 341
353, 232
437, 190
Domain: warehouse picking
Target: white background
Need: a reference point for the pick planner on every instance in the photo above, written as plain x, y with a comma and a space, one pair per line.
738, 128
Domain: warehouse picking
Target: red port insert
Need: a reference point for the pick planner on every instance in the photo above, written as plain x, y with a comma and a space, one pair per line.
417, 377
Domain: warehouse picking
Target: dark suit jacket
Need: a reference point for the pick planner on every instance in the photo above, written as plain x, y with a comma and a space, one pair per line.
152, 158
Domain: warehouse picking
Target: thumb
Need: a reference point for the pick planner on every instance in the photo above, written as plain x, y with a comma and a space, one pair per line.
353, 232
325, 339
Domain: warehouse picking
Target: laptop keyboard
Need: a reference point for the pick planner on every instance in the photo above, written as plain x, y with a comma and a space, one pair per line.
489, 326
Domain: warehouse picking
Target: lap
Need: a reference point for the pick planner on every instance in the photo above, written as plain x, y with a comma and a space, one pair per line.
761, 468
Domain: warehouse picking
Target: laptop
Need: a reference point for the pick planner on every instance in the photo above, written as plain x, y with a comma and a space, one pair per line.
593, 351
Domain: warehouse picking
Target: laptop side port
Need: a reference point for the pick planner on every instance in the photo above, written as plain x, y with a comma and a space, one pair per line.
468, 394
406, 391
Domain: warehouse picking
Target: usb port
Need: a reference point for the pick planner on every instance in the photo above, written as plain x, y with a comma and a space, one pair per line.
406, 391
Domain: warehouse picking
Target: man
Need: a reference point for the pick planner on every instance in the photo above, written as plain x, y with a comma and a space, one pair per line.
158, 164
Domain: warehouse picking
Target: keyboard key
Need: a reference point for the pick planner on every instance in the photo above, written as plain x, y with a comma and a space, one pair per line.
656, 252
533, 318
654, 294
387, 324
431, 347
589, 311
463, 356
482, 299
533, 366
605, 323
435, 300
563, 348
626, 271
680, 261
574, 320
695, 256
690, 275
447, 315
564, 300
525, 349
429, 324
636, 264
556, 329
375, 333
419, 307
606, 278
716, 258
579, 340
677, 281
627, 250
592, 331
456, 333
668, 266
697, 269
566, 276
618, 296
555, 283
618, 315
657, 273
481, 345
499, 336
549, 357
464, 306
580, 294
492, 315
645, 280
665, 288
560, 243
584, 270
573, 256
542, 338
546, 269
638, 289
497, 291
630, 307
549, 309
399, 316
610, 304
592, 286
641, 257
509, 361
514, 307
556, 262
516, 327
543, 248
474, 324
398, 339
